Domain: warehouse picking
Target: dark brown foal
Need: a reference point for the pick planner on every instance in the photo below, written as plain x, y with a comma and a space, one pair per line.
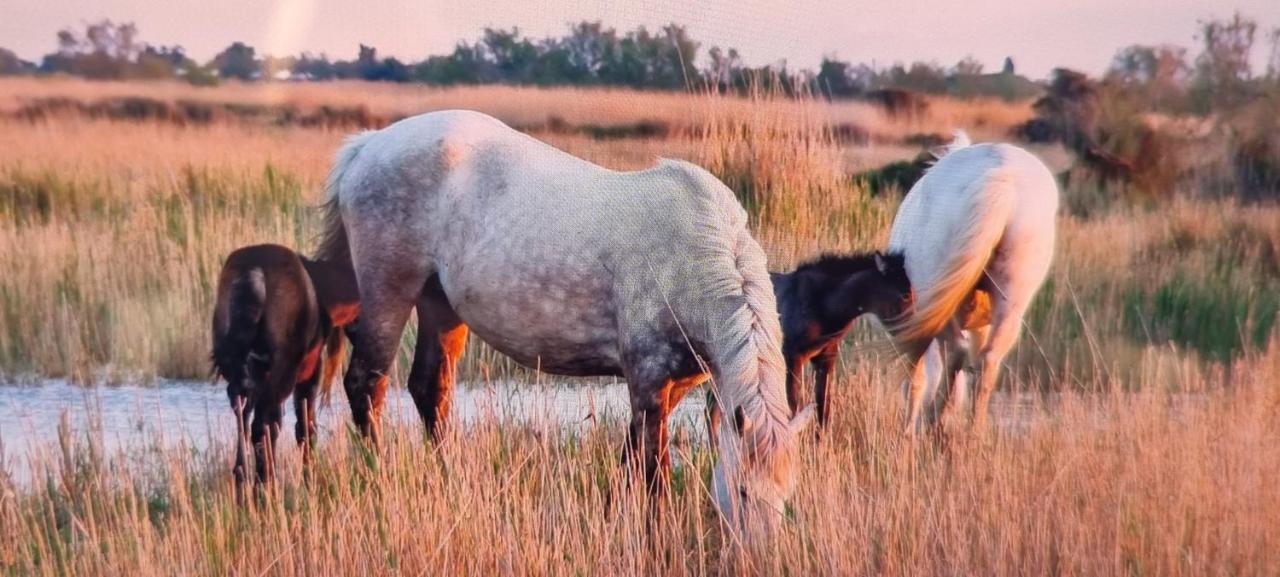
277, 331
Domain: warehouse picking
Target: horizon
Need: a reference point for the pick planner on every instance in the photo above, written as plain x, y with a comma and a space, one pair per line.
1038, 38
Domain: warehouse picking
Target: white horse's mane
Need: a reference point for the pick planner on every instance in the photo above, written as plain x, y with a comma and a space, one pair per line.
751, 371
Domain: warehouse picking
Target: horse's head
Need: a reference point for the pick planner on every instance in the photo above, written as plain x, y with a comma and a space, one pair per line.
757, 470
889, 296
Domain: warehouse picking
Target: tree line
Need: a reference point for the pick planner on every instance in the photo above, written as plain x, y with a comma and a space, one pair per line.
592, 54
587, 54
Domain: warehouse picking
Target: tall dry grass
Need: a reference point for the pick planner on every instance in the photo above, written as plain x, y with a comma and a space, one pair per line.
112, 231
1174, 477
1142, 440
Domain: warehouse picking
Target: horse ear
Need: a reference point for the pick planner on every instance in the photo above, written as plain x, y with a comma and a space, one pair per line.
740, 421
881, 265
802, 419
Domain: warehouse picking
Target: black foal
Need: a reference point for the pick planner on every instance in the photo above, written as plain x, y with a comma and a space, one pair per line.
818, 303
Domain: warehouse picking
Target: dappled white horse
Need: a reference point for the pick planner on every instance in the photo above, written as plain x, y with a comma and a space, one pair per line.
977, 233
569, 268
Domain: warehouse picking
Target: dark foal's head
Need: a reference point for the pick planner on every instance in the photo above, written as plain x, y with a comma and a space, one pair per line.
844, 287
887, 292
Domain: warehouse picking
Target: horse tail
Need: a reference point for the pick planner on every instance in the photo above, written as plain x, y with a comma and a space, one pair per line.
335, 353
991, 202
241, 302
333, 245
959, 139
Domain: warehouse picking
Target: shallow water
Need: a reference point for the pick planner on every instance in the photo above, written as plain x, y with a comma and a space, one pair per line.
192, 414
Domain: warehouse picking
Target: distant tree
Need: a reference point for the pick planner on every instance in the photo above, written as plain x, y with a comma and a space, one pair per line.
311, 67
1008, 66
1222, 71
104, 50
237, 61
11, 65
512, 56
919, 77
158, 62
1273, 58
968, 66
555, 64
588, 45
367, 66
835, 79
466, 65
1157, 75
675, 55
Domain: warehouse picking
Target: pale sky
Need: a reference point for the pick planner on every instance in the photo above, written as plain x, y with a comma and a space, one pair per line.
1039, 34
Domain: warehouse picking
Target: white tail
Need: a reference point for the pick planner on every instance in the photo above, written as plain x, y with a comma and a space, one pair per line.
991, 203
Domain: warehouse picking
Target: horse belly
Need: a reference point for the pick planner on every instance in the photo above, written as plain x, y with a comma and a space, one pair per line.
557, 323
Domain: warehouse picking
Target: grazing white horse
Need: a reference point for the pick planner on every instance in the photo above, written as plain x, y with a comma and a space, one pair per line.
569, 268
977, 233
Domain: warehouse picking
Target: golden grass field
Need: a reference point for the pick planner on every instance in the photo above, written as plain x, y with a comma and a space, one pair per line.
1149, 368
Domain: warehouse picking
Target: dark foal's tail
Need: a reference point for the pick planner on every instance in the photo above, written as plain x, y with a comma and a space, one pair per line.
239, 312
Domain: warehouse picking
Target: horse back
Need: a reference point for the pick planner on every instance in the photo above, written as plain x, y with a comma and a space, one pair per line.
265, 305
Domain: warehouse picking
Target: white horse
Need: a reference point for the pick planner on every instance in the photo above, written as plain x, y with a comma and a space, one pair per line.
977, 233
569, 268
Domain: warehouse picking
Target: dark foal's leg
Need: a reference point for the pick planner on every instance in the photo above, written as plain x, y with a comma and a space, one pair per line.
244, 398
823, 362
268, 415
263, 433
244, 411
795, 374
304, 408
441, 339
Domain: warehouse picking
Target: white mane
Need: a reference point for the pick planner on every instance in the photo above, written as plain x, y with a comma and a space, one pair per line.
750, 371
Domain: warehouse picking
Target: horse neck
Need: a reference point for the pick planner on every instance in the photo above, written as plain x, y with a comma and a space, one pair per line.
849, 297
747, 376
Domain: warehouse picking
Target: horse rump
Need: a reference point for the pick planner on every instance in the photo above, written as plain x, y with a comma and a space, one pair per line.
241, 301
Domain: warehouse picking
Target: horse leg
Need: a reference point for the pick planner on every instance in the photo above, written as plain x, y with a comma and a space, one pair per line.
823, 362
647, 435
388, 294
263, 433
946, 362
916, 385
243, 411
441, 339
961, 392
1005, 326
244, 396
795, 374
304, 408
